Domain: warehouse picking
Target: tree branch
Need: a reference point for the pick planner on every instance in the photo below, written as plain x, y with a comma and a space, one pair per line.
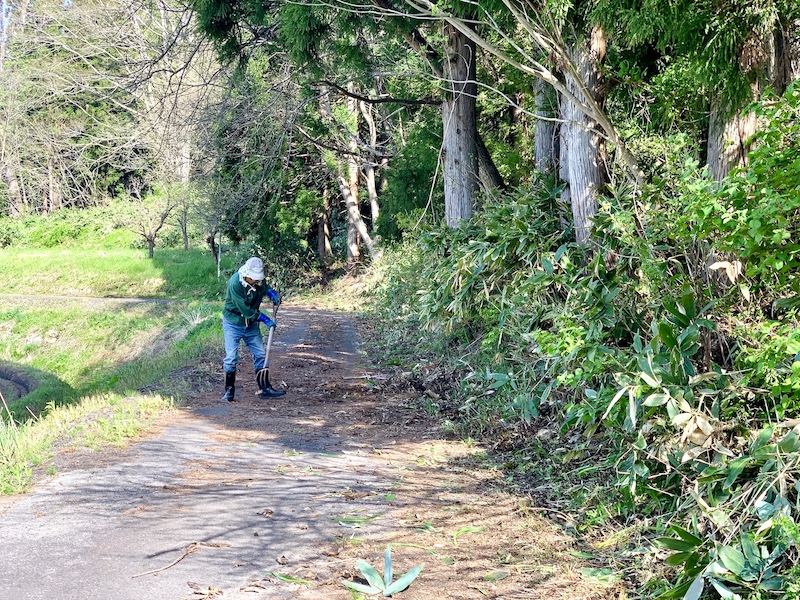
382, 100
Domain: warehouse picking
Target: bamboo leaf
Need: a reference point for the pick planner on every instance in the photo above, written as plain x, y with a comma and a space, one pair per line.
614, 400
736, 466
649, 379
686, 536
688, 337
674, 544
764, 436
578, 554
704, 425
464, 530
733, 559
602, 576
688, 305
696, 589
723, 591
288, 578
751, 552
647, 373
656, 400
499, 380
790, 442
745, 289
677, 559
667, 335
676, 592
681, 418
672, 409
775, 583
691, 454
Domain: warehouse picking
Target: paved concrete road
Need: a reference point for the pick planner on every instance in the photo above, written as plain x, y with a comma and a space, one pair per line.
233, 508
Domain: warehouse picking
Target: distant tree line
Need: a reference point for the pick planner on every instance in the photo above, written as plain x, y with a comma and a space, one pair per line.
330, 127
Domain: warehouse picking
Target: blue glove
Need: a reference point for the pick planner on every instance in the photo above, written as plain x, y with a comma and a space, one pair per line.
266, 320
274, 296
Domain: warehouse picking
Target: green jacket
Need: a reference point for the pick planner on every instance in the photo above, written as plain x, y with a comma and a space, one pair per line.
242, 301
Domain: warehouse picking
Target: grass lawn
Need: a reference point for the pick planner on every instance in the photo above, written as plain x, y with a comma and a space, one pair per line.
122, 273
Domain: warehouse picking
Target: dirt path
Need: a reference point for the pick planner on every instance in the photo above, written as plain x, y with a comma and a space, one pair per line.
279, 499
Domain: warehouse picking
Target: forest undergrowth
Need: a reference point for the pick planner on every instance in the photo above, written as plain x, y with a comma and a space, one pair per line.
646, 386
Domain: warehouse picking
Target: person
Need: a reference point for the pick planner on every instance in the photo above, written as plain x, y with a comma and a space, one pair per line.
241, 319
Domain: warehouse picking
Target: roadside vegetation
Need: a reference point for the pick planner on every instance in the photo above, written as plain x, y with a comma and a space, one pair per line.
92, 421
648, 392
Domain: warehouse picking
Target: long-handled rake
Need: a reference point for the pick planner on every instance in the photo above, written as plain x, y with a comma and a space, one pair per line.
262, 377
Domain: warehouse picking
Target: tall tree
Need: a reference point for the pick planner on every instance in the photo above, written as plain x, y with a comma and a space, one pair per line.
546, 140
763, 45
247, 149
578, 57
94, 96
369, 165
346, 170
460, 131
300, 38
582, 147
68, 124
728, 52
314, 37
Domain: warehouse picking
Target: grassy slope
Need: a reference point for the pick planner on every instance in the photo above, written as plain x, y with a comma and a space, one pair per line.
100, 272
88, 354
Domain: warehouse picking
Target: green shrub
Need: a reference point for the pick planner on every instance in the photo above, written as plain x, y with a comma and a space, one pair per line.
68, 227
769, 358
753, 214
9, 231
681, 379
476, 272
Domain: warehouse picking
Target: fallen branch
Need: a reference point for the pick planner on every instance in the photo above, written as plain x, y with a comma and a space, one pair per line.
193, 547
558, 513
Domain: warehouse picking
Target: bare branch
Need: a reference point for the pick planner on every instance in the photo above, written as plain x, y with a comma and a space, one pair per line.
381, 100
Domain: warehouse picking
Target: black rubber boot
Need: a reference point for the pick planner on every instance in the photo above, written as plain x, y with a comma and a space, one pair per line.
267, 391
230, 387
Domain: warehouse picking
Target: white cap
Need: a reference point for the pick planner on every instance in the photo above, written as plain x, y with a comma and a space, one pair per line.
253, 268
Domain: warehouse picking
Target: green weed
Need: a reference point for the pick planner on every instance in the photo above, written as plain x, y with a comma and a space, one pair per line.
385, 584
93, 422
112, 272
